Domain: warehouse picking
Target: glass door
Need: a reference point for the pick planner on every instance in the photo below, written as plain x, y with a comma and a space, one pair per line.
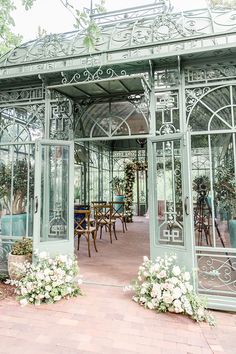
170, 209
54, 193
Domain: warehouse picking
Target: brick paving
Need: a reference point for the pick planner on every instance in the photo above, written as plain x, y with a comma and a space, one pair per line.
104, 319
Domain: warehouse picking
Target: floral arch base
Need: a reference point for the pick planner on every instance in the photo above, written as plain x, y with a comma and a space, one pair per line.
130, 169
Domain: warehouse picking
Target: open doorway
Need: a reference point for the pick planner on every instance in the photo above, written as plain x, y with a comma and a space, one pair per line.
96, 164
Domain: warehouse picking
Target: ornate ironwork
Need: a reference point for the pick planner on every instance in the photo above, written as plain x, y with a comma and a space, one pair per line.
20, 95
210, 73
194, 95
216, 274
22, 123
155, 29
89, 75
61, 123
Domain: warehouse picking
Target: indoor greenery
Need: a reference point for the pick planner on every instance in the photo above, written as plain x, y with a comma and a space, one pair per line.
117, 184
22, 173
163, 286
130, 169
23, 246
225, 187
47, 280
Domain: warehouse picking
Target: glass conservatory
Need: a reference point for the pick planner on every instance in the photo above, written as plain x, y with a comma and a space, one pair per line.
159, 88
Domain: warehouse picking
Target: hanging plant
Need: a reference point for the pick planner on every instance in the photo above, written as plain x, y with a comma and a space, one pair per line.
130, 169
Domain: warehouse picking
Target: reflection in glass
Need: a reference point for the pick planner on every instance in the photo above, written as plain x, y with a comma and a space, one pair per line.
54, 193
169, 193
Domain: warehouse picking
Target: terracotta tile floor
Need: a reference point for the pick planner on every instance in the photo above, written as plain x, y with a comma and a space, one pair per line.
105, 320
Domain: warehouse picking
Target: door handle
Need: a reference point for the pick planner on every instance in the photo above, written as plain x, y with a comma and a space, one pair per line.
186, 201
36, 204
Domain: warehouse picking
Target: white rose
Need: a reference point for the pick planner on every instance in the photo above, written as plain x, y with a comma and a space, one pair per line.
176, 270
63, 258
189, 287
167, 297
43, 255
145, 259
150, 305
48, 287
162, 274
23, 302
177, 293
186, 276
178, 306
201, 312
47, 271
57, 298
68, 279
24, 291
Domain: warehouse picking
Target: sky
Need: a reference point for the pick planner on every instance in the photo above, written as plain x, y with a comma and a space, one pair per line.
54, 18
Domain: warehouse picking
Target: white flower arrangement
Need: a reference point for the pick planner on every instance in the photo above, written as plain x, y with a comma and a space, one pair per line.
163, 286
47, 280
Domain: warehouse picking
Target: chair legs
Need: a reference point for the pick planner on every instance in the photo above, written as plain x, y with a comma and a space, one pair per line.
94, 235
87, 236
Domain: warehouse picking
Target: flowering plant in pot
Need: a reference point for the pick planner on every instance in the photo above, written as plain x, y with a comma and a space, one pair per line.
20, 253
163, 286
47, 280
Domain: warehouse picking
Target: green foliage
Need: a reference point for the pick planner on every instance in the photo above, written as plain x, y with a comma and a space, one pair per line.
130, 169
84, 22
20, 170
8, 39
22, 247
225, 186
117, 185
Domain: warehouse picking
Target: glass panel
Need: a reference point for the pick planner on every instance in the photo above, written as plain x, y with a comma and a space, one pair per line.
169, 193
21, 124
54, 193
16, 189
16, 196
214, 190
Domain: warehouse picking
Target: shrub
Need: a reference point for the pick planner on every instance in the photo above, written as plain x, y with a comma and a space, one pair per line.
22, 247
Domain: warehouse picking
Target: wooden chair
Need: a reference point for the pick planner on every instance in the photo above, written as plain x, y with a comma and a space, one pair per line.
103, 218
118, 212
83, 227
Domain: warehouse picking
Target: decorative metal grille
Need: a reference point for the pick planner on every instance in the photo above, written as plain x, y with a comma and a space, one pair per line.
128, 33
210, 73
216, 273
214, 106
22, 123
61, 122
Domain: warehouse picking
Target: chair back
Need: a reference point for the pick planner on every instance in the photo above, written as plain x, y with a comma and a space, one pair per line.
81, 220
103, 213
118, 209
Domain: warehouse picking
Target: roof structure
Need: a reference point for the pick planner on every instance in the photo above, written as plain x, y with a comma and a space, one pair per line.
127, 36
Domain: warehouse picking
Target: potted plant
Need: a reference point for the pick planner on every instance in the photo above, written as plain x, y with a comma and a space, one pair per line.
118, 184
16, 180
21, 252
